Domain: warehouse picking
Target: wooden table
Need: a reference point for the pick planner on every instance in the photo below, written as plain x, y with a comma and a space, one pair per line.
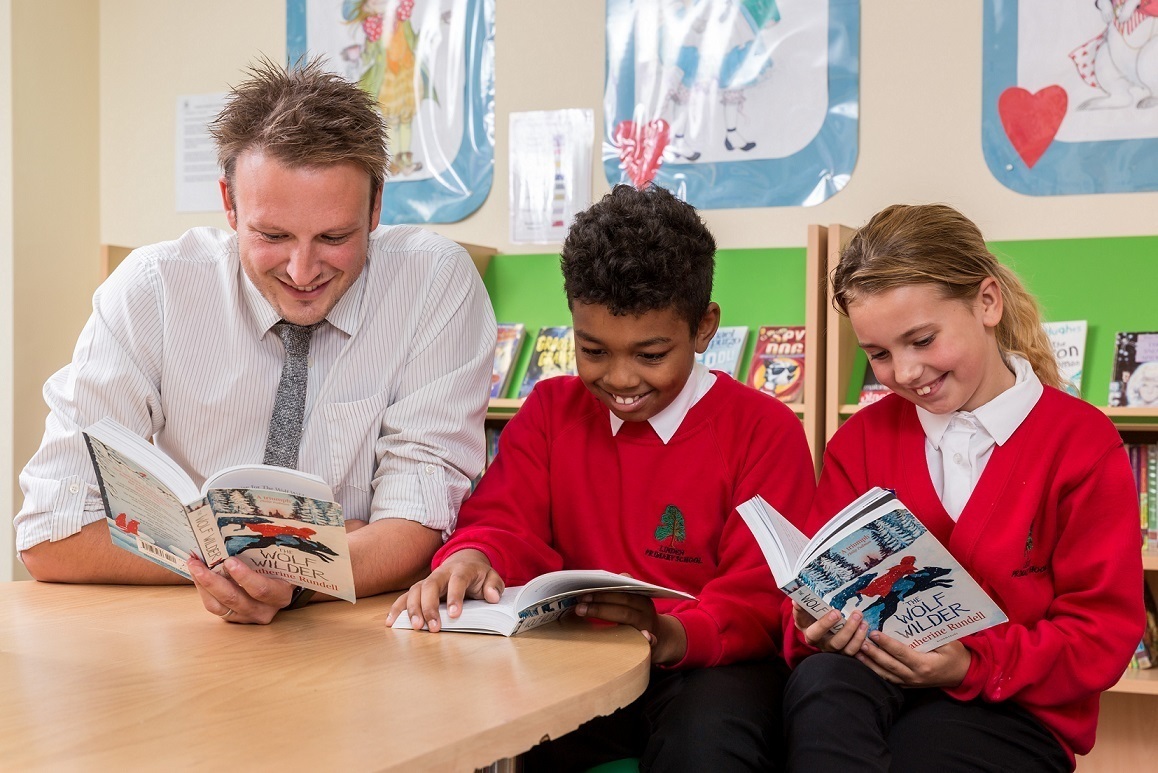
102, 677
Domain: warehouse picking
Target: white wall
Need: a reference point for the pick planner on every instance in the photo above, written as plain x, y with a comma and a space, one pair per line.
920, 100
7, 474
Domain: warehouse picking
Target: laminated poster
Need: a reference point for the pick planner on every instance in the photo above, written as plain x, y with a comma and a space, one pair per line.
733, 103
550, 161
1070, 91
430, 65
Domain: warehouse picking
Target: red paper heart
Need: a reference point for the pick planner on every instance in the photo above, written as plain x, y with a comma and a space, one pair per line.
1031, 121
641, 149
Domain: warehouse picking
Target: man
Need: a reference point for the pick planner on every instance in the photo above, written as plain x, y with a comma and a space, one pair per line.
185, 346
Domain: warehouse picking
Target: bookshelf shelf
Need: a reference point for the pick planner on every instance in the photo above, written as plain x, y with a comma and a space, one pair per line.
503, 407
1138, 682
1150, 560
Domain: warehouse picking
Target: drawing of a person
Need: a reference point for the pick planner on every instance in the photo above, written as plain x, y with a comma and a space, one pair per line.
390, 61
883, 584
716, 47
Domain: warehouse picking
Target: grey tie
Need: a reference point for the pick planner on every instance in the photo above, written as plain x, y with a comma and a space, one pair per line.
289, 406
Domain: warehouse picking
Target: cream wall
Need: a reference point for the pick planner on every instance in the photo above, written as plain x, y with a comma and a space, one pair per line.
919, 133
6, 328
55, 205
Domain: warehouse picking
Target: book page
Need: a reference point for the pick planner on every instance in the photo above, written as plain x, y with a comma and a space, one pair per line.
270, 478
144, 517
145, 456
554, 585
779, 541
477, 616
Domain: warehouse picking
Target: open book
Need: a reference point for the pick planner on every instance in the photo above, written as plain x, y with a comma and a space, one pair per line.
876, 557
540, 601
281, 522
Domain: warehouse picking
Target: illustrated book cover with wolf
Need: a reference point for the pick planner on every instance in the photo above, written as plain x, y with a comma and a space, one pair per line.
281, 522
876, 557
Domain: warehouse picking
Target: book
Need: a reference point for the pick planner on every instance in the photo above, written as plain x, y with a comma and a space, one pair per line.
871, 389
777, 366
1134, 381
1068, 340
553, 355
540, 601
508, 342
1146, 656
876, 557
725, 351
282, 523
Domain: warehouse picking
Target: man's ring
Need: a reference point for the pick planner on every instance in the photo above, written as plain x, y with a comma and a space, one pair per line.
226, 613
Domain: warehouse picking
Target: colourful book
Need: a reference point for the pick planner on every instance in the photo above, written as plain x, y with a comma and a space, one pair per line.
508, 341
877, 558
725, 351
1134, 381
871, 389
1068, 340
777, 366
553, 355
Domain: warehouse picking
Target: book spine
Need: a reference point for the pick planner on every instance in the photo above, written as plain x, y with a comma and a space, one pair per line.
1152, 486
809, 601
208, 536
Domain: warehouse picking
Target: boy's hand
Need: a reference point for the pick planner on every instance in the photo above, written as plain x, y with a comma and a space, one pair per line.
467, 573
945, 666
665, 634
847, 641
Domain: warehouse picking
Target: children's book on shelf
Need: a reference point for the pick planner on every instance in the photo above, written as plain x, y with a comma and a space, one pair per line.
507, 344
1134, 382
777, 366
553, 355
1068, 340
1146, 656
726, 350
876, 557
542, 600
871, 389
282, 523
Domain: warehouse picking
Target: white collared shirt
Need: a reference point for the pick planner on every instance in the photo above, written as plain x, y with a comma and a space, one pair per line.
179, 349
958, 445
667, 422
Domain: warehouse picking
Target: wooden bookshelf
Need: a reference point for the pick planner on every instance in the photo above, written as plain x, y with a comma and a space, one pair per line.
1138, 682
503, 407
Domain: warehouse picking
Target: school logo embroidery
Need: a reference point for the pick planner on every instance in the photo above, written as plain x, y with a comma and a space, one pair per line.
671, 530
1028, 567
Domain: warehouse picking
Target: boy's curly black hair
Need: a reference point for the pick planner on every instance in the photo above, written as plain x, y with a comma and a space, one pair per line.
637, 251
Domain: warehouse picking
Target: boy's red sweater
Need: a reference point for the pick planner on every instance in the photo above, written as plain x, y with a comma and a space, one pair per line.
564, 493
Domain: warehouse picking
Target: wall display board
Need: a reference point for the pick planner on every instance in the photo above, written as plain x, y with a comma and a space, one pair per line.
430, 65
733, 103
1070, 93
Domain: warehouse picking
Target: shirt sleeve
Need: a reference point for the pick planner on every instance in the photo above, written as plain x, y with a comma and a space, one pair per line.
1083, 643
115, 371
431, 442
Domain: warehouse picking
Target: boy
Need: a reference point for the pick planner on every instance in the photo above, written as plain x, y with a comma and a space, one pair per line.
637, 466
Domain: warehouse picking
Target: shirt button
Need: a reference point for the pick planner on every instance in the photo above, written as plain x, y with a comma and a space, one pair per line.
309, 362
958, 459
430, 469
74, 488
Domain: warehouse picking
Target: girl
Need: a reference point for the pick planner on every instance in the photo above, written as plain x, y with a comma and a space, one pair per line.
1028, 487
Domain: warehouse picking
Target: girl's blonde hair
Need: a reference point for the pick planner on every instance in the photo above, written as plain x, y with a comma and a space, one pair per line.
935, 244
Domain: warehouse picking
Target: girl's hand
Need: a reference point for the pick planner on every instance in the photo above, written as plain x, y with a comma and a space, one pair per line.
945, 666
818, 633
665, 634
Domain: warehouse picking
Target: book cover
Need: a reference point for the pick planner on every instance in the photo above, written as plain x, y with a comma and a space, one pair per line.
508, 342
553, 355
281, 522
1134, 381
871, 389
777, 366
877, 558
1146, 655
543, 600
1068, 340
725, 351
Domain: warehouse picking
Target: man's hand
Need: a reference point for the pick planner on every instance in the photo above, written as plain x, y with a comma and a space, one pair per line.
240, 595
945, 666
467, 573
665, 634
818, 633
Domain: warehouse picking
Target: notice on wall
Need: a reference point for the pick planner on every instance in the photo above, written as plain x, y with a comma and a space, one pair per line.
197, 171
550, 163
